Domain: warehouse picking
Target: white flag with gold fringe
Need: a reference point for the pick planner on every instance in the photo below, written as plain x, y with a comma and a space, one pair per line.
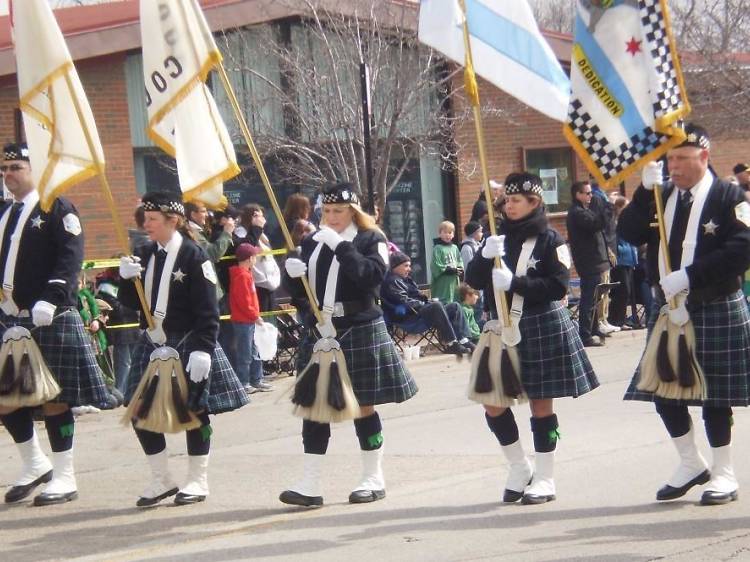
58, 122
178, 53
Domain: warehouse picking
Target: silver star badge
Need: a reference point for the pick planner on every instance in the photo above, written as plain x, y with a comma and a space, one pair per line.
178, 275
532, 263
710, 227
36, 222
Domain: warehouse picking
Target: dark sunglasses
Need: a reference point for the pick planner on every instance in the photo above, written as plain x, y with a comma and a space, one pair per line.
12, 168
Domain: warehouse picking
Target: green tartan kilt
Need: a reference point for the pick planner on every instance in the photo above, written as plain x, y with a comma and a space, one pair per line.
375, 367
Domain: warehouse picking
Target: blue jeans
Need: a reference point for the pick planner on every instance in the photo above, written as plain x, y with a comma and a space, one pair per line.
122, 358
249, 367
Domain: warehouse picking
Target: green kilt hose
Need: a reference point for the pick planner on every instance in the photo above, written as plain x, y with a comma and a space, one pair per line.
223, 393
553, 361
722, 334
376, 369
66, 348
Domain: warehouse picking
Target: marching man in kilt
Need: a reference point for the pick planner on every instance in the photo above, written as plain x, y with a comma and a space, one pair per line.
345, 262
707, 221
40, 259
553, 362
180, 286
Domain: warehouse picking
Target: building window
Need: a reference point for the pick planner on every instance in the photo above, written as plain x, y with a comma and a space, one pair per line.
555, 167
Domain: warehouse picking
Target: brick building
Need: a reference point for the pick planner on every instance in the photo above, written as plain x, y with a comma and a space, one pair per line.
105, 42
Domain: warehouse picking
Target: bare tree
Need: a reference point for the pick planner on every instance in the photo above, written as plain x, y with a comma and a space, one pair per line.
554, 15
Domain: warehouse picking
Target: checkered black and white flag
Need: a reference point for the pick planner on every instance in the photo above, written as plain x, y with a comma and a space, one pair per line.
627, 88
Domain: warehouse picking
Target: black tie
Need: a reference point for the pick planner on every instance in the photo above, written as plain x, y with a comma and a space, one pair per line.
679, 227
161, 256
10, 227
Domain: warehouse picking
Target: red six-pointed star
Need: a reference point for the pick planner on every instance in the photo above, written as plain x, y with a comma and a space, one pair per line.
633, 46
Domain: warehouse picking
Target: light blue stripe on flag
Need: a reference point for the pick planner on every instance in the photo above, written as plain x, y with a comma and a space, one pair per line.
515, 43
631, 118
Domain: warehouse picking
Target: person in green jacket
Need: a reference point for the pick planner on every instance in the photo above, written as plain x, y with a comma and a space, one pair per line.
447, 265
197, 216
469, 297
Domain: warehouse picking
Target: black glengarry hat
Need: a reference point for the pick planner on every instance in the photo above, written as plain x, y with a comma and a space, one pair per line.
16, 151
697, 136
340, 193
523, 184
739, 168
164, 202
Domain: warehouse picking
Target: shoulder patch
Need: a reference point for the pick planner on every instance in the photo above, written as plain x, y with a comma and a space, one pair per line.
742, 212
208, 271
563, 255
72, 224
383, 251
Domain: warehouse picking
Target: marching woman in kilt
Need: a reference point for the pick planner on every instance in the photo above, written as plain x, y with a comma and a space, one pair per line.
345, 263
707, 221
180, 287
40, 259
553, 362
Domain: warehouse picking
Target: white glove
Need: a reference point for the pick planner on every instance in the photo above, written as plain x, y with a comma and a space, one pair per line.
674, 283
295, 268
199, 365
651, 174
328, 236
130, 267
42, 313
502, 277
494, 247
326, 330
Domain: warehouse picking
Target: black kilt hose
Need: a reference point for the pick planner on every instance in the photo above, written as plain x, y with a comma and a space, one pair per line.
223, 393
66, 348
553, 361
722, 334
377, 372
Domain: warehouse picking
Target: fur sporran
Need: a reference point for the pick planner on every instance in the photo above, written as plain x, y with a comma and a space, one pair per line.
25, 379
160, 401
495, 370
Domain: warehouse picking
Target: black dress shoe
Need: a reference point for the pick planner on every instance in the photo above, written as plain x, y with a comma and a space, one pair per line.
294, 498
17, 493
366, 496
53, 499
711, 497
188, 499
150, 502
534, 499
591, 342
668, 492
511, 496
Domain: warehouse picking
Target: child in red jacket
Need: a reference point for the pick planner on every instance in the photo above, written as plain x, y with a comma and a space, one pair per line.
245, 314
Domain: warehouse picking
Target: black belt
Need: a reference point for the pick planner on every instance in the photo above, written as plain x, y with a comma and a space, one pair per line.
706, 295
349, 308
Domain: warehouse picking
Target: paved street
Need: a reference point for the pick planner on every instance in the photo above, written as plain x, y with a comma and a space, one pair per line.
444, 471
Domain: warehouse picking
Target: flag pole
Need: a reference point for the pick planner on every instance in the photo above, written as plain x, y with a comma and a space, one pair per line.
264, 179
119, 227
473, 94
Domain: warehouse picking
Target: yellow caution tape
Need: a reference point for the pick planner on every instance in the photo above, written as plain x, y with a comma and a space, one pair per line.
266, 314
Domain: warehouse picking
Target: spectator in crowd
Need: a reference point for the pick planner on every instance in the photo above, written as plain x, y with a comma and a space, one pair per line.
469, 298
215, 247
624, 294
94, 321
471, 242
610, 237
266, 272
479, 210
469, 246
402, 301
447, 267
245, 314
122, 340
585, 222
137, 235
296, 215
742, 173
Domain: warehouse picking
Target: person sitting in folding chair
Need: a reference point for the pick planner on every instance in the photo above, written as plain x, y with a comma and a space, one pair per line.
407, 306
